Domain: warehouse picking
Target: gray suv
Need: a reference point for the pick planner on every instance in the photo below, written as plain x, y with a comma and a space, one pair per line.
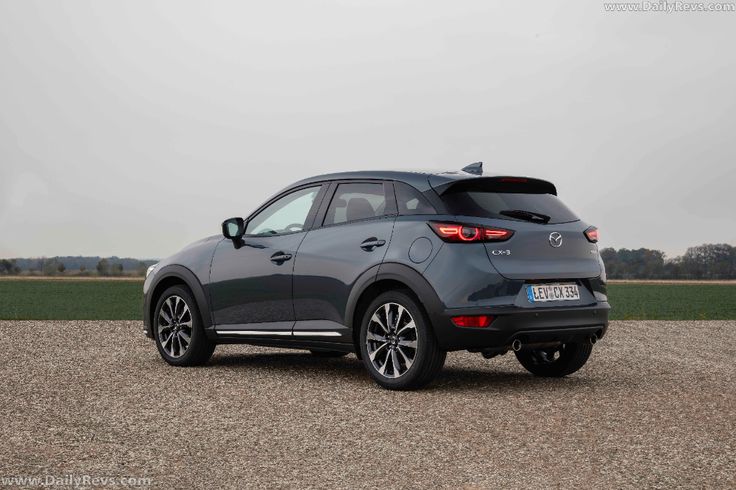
396, 267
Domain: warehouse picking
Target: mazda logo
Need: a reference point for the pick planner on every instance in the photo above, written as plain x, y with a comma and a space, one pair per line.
555, 239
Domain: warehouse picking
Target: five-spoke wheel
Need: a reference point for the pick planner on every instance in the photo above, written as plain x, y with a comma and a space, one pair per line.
392, 340
397, 345
175, 326
556, 361
180, 338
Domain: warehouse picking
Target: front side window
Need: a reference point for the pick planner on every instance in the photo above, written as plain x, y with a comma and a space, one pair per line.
286, 215
354, 202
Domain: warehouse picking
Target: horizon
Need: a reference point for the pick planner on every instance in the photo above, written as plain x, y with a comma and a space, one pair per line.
145, 258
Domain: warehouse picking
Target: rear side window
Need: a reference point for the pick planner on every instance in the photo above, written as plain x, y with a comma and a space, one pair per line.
411, 201
354, 202
509, 205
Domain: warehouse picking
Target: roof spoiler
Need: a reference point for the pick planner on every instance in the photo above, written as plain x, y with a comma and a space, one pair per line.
474, 168
499, 183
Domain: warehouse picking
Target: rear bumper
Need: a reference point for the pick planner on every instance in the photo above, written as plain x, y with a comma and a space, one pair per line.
526, 324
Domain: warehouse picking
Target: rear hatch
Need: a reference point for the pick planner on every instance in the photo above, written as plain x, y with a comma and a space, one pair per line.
549, 241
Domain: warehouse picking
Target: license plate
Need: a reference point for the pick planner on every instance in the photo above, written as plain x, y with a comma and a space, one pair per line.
539, 293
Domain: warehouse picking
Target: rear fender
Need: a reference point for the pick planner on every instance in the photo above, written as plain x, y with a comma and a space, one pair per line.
394, 272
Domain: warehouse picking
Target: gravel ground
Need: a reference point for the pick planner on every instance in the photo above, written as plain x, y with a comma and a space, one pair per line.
654, 407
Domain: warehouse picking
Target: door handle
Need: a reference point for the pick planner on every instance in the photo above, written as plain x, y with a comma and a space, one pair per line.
280, 257
371, 243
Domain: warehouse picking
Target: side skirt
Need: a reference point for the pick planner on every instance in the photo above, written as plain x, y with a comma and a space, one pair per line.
284, 343
308, 334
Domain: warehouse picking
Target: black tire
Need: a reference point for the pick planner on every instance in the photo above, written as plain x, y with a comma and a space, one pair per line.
328, 353
428, 357
200, 348
555, 362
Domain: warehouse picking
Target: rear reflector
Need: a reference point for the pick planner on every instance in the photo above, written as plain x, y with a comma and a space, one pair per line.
592, 234
475, 321
458, 232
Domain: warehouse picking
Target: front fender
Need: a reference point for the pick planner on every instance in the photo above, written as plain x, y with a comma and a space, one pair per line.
166, 277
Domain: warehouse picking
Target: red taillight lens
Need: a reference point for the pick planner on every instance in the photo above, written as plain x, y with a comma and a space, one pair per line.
475, 321
498, 234
456, 232
592, 234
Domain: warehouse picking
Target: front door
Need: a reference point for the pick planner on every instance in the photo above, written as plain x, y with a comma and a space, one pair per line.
251, 280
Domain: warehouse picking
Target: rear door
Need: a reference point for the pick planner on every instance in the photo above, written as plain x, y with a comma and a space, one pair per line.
354, 233
549, 240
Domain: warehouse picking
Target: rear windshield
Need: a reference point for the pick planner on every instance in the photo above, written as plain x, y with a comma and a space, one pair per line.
512, 206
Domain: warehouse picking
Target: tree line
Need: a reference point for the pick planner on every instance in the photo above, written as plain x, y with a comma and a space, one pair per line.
75, 266
709, 261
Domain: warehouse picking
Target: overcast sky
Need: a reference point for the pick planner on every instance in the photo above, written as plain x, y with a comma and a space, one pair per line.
133, 128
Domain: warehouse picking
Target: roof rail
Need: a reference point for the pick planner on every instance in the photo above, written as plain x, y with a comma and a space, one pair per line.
474, 168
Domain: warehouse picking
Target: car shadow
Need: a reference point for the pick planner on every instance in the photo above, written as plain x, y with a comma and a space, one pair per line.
290, 362
459, 380
351, 370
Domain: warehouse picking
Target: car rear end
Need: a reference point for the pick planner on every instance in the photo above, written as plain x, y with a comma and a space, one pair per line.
516, 268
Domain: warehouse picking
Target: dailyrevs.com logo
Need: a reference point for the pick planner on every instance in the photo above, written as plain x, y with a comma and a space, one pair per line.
670, 7
75, 481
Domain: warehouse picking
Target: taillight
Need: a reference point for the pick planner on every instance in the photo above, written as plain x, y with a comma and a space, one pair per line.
497, 234
592, 234
457, 232
474, 321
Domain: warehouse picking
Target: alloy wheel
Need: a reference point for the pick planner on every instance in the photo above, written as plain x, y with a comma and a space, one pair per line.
548, 356
392, 340
175, 326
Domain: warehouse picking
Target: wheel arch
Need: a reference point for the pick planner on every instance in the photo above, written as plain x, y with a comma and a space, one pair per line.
173, 275
390, 276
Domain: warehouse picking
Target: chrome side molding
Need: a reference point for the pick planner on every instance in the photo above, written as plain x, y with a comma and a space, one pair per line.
298, 333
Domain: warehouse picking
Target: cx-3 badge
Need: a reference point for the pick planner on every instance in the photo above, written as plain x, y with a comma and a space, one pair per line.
555, 239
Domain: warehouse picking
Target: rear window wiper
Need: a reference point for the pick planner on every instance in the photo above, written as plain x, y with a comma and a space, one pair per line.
526, 215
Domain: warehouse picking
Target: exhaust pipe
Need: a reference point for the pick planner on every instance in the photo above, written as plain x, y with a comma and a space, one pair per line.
593, 339
516, 345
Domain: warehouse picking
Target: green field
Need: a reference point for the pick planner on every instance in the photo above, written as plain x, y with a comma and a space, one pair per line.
123, 300
71, 299
672, 301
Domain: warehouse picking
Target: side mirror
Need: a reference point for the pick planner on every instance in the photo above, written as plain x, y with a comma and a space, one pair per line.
233, 228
